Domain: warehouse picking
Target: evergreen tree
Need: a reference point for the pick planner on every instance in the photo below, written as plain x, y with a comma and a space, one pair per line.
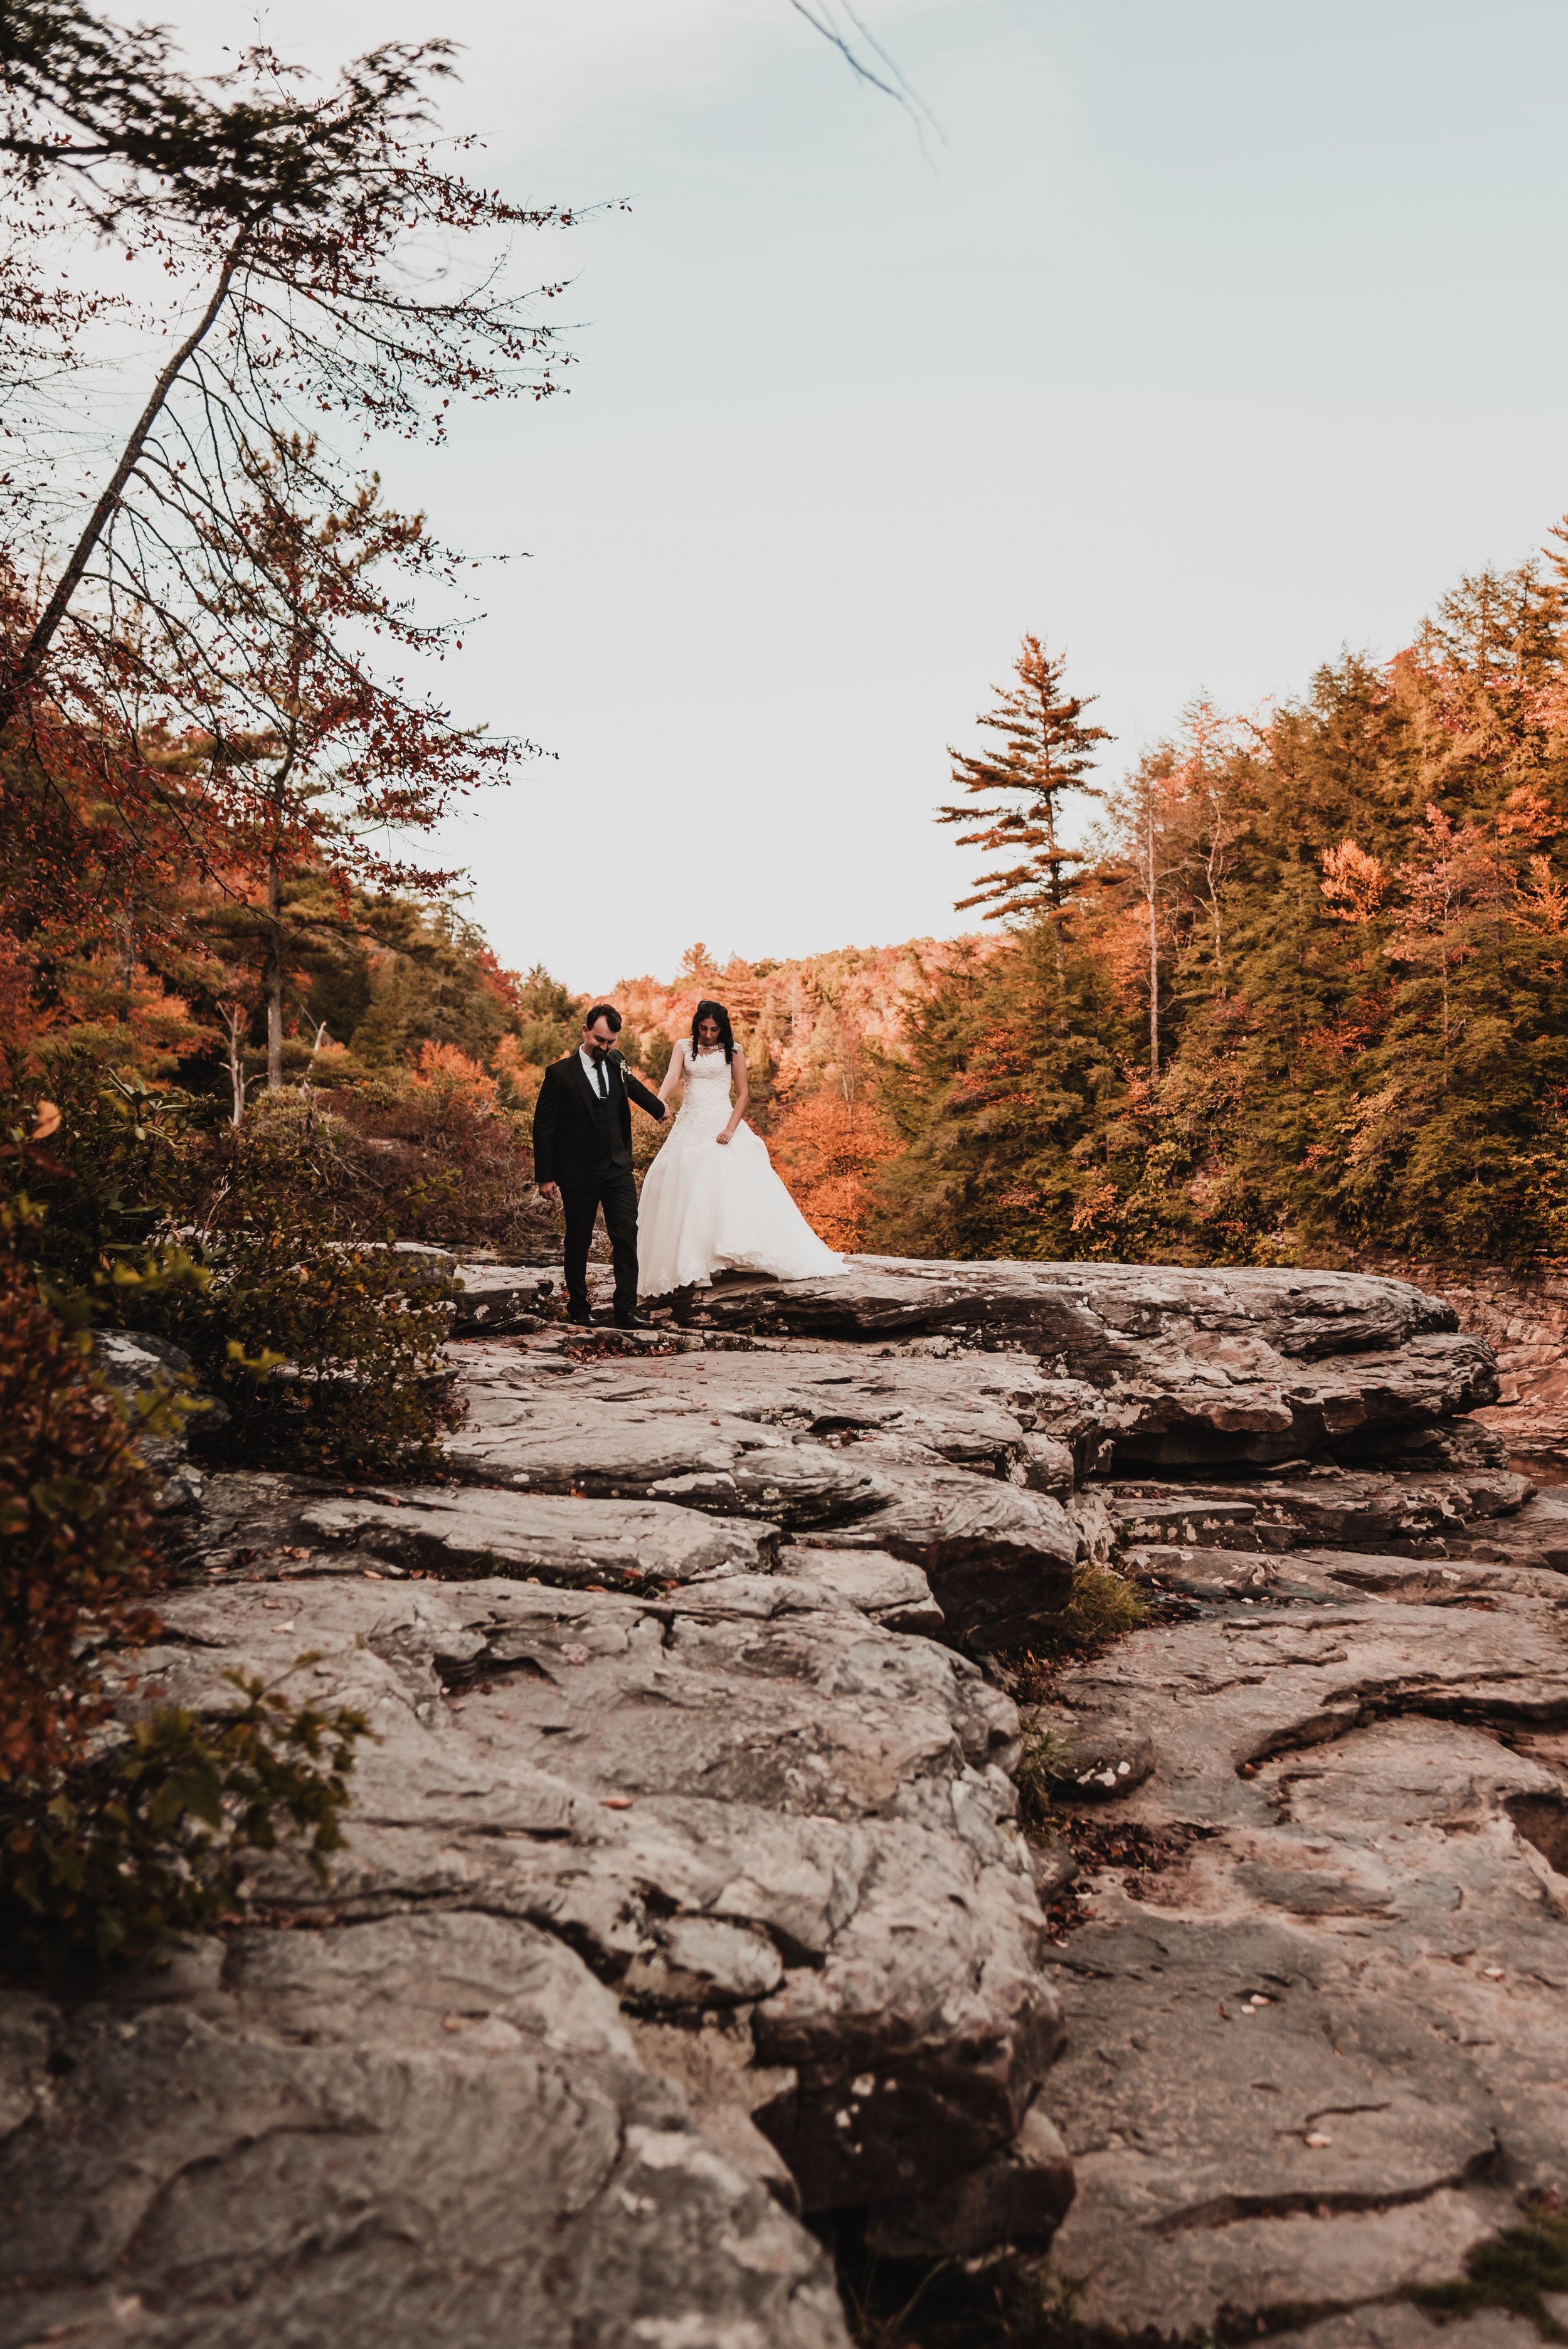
1046, 752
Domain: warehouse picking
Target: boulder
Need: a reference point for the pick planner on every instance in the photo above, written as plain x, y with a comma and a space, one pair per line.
1099, 1761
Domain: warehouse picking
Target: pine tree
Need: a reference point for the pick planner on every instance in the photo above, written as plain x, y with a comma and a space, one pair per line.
1046, 752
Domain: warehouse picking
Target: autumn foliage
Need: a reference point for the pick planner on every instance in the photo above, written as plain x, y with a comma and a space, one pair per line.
76, 1551
1307, 993
828, 1151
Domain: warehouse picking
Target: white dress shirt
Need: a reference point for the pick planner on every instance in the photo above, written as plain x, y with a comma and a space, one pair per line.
591, 1068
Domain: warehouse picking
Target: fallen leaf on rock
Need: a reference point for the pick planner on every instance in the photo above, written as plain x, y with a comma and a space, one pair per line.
617, 1802
1315, 2137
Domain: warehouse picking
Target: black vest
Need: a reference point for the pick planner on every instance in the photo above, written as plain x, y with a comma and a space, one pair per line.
610, 1143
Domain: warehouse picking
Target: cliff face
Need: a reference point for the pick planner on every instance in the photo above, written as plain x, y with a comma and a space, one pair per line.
685, 1897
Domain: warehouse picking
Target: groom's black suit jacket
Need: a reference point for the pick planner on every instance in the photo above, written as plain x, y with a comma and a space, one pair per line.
577, 1138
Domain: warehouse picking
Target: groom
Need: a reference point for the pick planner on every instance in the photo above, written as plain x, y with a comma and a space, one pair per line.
583, 1157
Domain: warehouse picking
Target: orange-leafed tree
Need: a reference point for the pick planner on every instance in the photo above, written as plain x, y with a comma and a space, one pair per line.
829, 1148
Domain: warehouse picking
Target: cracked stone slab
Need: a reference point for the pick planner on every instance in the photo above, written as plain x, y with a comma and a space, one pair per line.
998, 1556
461, 1531
743, 1805
1430, 1515
972, 1410
999, 1559
568, 1442
424, 2130
1537, 1534
1323, 2052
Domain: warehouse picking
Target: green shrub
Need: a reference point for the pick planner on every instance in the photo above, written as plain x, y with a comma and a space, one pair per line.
104, 1848
327, 1354
1036, 1775
144, 1210
1104, 1606
105, 1859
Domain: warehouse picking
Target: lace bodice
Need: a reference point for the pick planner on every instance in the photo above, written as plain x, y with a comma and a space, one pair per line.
704, 1097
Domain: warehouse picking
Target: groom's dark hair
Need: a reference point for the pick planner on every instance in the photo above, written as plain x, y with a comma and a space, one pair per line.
605, 1011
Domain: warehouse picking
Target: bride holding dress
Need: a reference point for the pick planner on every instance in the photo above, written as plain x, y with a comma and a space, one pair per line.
711, 1202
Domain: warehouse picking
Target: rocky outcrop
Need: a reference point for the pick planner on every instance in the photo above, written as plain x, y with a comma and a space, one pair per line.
1212, 1365
662, 1917
685, 1899
1400, 1511
1521, 1313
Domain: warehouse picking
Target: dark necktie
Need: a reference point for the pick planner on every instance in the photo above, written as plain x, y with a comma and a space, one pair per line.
600, 1078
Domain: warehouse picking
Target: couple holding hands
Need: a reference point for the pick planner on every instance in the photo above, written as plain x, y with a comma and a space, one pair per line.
711, 1202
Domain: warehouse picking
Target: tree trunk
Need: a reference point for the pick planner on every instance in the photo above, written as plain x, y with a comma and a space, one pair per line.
236, 1064
275, 972
24, 674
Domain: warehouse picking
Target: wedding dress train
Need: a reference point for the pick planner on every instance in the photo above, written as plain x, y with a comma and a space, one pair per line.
707, 1207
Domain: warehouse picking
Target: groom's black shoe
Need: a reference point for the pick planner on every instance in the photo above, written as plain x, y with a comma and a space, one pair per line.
584, 1319
634, 1321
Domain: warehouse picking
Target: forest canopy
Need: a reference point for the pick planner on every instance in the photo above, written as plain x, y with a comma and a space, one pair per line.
1304, 989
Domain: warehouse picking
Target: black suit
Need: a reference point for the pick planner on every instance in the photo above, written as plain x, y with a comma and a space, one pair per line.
583, 1143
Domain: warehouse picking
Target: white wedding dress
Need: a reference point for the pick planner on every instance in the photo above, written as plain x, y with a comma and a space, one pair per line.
709, 1207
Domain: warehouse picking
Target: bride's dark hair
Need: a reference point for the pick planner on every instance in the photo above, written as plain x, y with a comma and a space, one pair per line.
726, 1032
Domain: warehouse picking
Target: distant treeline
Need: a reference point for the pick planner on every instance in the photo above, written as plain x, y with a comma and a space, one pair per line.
1302, 988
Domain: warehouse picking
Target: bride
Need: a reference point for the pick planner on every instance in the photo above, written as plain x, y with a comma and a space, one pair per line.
711, 1202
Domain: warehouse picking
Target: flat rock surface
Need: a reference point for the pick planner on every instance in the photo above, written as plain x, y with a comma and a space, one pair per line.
859, 1457
286, 1521
428, 2129
1324, 2050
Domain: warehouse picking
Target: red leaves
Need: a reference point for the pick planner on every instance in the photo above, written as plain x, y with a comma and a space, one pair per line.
76, 1540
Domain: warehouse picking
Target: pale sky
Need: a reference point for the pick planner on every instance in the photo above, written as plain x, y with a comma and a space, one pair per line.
1217, 334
